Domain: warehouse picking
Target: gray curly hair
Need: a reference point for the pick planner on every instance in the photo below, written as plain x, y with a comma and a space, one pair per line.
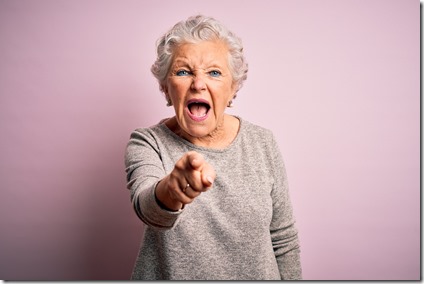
196, 29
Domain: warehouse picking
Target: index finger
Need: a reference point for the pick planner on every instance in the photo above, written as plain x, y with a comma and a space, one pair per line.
195, 160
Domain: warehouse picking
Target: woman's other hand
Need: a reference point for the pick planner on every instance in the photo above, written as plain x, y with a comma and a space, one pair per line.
191, 176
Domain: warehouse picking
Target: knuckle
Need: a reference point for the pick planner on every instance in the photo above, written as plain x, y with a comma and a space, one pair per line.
173, 175
173, 190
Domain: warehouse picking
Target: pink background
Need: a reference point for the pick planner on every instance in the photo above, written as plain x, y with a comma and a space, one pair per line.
338, 81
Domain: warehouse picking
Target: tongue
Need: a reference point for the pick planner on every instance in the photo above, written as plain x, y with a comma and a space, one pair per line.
198, 110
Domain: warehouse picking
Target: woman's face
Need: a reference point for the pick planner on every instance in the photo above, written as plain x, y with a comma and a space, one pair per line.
200, 86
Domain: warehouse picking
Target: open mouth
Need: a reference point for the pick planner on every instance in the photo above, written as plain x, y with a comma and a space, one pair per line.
198, 109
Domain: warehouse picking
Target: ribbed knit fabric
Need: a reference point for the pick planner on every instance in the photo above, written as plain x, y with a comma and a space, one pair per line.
241, 229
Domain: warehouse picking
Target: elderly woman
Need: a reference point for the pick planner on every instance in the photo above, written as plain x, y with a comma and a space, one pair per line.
210, 187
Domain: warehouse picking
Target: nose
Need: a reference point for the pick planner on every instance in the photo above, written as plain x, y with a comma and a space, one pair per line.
198, 83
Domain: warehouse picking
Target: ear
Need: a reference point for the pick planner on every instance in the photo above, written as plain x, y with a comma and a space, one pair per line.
168, 100
164, 89
235, 88
230, 102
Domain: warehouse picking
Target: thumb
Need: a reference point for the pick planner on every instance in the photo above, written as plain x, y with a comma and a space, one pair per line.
208, 175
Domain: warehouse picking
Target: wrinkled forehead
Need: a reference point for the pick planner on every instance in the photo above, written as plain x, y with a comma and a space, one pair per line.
203, 52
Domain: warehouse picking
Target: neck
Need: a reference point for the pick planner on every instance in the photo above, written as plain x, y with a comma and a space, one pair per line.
221, 137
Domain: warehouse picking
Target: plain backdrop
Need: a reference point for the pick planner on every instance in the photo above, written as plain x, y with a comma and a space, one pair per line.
337, 81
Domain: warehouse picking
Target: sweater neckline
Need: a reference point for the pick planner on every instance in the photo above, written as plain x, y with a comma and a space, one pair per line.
163, 126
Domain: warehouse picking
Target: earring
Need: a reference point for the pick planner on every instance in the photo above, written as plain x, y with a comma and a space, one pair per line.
230, 103
168, 102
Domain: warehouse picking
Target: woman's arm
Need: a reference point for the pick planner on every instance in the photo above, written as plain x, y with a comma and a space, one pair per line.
144, 168
284, 234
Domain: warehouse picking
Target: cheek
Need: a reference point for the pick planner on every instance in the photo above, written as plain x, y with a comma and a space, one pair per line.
178, 87
175, 92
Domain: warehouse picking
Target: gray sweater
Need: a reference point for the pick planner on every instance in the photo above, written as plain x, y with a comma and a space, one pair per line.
241, 229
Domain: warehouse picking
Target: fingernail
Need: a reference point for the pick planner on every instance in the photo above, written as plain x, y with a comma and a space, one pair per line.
210, 179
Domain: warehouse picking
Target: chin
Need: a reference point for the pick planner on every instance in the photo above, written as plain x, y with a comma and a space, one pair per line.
199, 131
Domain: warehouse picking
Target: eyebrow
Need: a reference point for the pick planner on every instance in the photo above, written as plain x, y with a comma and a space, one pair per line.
184, 63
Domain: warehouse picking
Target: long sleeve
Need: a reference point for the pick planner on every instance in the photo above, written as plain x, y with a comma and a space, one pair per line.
284, 234
144, 168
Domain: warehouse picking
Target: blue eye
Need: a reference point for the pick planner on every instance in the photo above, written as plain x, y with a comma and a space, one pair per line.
182, 73
215, 73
